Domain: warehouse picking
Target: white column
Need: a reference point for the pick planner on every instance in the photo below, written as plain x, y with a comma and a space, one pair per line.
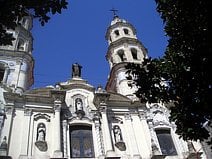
57, 135
25, 133
106, 134
65, 139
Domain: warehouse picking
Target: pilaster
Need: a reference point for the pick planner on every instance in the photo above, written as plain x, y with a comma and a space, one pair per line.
99, 137
25, 134
58, 97
65, 144
133, 147
106, 132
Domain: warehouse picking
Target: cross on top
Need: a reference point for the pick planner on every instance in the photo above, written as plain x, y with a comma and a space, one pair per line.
114, 12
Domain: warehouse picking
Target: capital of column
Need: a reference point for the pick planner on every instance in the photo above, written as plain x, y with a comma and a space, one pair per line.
27, 112
64, 124
19, 62
128, 117
103, 108
57, 107
9, 110
142, 115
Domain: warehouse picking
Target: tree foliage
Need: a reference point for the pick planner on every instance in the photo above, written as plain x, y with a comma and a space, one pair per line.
12, 11
182, 75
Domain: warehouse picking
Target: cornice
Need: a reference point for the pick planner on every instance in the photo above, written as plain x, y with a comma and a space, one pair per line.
26, 98
119, 24
16, 54
123, 40
77, 84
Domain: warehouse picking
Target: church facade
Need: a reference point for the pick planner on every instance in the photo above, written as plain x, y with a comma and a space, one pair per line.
72, 119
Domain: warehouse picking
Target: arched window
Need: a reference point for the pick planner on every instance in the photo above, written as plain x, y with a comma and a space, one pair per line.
2, 70
126, 31
134, 54
81, 142
165, 141
121, 55
21, 45
116, 32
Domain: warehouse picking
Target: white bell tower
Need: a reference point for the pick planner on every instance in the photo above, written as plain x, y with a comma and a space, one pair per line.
124, 48
16, 61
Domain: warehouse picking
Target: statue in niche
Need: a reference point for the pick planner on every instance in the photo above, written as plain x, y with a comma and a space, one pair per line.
41, 135
117, 133
118, 138
76, 70
79, 108
78, 104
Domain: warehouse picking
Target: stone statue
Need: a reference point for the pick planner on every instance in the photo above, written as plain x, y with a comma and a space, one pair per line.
78, 104
119, 143
76, 70
117, 133
40, 143
41, 132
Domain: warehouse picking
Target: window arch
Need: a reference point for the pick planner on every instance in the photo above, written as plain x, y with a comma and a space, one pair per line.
121, 55
126, 31
165, 141
116, 32
21, 45
81, 144
2, 71
134, 53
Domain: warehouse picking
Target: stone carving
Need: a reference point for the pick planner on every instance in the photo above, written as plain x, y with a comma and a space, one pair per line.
78, 104
41, 135
160, 118
118, 138
76, 70
79, 108
117, 133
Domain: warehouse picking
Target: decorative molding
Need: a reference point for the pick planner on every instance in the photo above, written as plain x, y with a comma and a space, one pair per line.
42, 116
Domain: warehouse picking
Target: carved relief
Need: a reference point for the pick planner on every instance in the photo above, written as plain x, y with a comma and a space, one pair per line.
159, 118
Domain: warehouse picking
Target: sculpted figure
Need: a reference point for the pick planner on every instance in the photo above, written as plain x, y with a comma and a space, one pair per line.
76, 70
117, 133
78, 104
40, 143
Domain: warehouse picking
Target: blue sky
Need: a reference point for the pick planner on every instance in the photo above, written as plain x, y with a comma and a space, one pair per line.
78, 35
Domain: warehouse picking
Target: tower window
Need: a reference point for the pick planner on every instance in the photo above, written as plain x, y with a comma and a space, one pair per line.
81, 142
166, 143
121, 55
134, 54
1, 74
116, 32
21, 44
126, 31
